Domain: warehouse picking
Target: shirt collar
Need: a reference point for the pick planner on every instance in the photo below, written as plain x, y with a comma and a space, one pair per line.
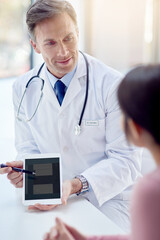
66, 79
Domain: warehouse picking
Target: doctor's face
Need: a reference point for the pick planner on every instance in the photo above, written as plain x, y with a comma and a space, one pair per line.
57, 41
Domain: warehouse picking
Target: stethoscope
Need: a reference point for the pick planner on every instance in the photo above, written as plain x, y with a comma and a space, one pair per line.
77, 128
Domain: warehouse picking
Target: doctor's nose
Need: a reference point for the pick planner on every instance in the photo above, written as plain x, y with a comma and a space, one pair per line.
62, 50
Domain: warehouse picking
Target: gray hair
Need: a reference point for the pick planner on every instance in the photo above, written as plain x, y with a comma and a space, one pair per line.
43, 9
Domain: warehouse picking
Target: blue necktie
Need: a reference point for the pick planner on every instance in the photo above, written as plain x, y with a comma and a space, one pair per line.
59, 88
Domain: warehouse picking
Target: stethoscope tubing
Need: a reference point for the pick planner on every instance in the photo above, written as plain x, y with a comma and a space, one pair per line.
38, 76
87, 87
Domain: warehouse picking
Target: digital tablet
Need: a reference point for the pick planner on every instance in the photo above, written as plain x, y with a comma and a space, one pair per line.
44, 186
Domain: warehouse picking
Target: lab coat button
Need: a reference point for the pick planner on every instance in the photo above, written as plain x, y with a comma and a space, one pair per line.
65, 149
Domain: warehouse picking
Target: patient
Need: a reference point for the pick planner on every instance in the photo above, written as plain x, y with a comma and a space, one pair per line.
139, 98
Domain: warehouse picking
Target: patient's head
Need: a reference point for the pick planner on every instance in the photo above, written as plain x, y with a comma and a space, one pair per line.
139, 99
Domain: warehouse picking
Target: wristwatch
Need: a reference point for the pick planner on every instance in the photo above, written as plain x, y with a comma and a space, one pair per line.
85, 185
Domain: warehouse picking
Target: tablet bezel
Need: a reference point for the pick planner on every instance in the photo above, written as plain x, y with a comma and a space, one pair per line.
52, 201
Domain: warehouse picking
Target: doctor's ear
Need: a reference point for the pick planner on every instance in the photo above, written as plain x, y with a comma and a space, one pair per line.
35, 46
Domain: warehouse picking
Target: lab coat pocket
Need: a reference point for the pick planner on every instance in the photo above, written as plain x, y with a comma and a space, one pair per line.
92, 136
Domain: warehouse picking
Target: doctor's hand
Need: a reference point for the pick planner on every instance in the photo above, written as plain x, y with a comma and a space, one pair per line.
69, 187
16, 178
5, 170
62, 231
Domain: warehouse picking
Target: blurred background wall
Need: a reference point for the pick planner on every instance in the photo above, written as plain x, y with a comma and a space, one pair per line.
122, 33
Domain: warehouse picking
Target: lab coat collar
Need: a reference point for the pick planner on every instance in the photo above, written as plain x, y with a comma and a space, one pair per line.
81, 68
47, 90
73, 89
75, 85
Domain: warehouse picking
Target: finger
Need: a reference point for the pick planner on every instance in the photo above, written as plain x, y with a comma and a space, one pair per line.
19, 185
60, 224
53, 234
15, 164
5, 170
45, 207
66, 190
64, 200
32, 207
63, 232
75, 233
41, 207
15, 181
65, 196
13, 175
46, 236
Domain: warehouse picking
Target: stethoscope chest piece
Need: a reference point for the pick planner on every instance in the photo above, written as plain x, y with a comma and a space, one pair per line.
77, 130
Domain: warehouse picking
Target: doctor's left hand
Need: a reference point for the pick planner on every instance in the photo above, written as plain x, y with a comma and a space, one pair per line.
69, 187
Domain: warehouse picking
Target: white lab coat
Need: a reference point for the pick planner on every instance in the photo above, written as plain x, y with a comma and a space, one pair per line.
100, 152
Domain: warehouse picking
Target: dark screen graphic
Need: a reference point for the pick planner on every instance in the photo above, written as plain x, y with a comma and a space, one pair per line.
45, 184
42, 189
43, 169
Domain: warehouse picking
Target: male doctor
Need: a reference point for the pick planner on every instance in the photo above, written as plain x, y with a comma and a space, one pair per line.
98, 153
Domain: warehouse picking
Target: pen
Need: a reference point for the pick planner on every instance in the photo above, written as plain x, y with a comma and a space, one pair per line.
17, 169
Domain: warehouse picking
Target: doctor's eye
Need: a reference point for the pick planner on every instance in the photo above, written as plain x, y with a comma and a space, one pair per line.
69, 38
50, 43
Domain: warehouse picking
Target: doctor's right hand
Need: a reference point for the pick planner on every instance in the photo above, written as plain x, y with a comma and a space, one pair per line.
16, 178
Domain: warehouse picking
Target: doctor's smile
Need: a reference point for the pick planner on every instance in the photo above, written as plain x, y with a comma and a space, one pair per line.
64, 62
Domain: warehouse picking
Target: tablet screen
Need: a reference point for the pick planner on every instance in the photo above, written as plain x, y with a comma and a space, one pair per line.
45, 184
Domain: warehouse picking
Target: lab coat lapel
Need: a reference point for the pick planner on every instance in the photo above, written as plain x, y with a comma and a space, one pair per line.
73, 89
75, 85
48, 90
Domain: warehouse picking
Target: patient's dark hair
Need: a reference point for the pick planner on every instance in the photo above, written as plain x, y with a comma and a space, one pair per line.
139, 98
